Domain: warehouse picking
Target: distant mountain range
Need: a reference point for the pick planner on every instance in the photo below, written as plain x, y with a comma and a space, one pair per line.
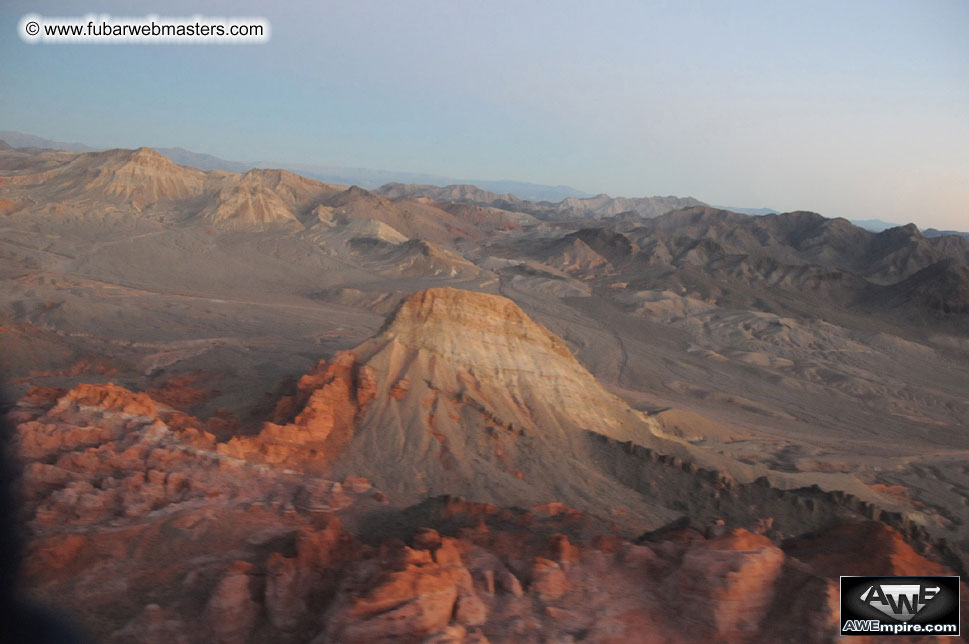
567, 201
149, 182
21, 140
874, 225
749, 211
363, 177
416, 229
932, 232
597, 207
878, 225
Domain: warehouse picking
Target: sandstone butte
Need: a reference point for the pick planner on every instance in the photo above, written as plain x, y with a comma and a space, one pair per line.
148, 529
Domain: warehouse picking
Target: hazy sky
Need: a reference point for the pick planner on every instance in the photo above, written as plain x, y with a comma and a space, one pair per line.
851, 108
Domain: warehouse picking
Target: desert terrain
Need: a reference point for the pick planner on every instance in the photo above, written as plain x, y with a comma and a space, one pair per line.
254, 407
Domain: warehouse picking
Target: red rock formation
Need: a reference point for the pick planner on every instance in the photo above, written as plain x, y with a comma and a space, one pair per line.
284, 599
132, 503
404, 594
399, 389
869, 548
299, 576
329, 400
316, 550
507, 581
63, 427
230, 613
404, 605
101, 453
111, 397
563, 550
732, 577
548, 582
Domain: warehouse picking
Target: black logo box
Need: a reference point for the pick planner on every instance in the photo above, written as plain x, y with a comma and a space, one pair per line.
941, 609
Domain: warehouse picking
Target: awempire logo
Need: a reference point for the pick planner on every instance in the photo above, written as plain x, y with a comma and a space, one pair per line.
900, 605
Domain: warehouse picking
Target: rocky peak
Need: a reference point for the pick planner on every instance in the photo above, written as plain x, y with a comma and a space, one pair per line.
431, 319
476, 398
149, 156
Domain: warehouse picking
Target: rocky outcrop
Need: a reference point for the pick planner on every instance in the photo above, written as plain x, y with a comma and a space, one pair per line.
101, 453
410, 600
230, 613
548, 580
410, 594
285, 604
237, 552
119, 408
740, 587
852, 548
315, 424
732, 577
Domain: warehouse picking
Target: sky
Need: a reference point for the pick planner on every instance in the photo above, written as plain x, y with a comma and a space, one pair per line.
852, 109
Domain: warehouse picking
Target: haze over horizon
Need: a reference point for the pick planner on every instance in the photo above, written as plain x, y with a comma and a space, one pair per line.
856, 111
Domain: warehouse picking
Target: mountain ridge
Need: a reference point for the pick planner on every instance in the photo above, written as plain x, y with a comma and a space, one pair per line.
597, 206
365, 177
